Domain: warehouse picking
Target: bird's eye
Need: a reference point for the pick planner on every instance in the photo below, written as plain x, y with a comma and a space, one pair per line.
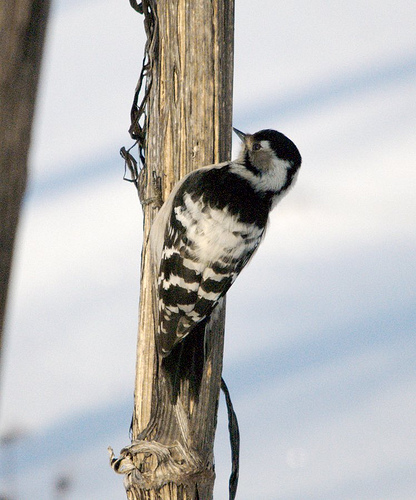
256, 146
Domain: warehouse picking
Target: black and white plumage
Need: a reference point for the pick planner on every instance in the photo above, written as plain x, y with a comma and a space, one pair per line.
209, 228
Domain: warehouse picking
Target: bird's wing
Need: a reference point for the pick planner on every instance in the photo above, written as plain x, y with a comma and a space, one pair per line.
178, 283
189, 288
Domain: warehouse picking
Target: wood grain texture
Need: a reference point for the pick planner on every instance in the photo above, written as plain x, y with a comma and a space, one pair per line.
189, 124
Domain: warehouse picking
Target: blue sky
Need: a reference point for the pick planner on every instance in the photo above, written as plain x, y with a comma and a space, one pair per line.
320, 337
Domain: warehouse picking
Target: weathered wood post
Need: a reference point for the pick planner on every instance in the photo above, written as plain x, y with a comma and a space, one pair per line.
188, 124
22, 33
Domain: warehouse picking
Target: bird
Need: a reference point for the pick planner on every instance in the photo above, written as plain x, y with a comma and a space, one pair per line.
209, 228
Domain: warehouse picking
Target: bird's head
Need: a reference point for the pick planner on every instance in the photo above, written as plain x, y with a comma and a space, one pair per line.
272, 157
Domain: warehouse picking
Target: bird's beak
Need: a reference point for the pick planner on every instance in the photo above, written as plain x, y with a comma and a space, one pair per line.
240, 134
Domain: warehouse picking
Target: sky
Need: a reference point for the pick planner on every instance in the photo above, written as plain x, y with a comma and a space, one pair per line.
320, 332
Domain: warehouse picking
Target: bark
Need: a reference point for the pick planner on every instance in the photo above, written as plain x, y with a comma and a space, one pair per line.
189, 120
22, 33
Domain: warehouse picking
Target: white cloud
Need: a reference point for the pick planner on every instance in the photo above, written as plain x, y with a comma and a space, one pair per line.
92, 62
282, 48
344, 234
73, 310
343, 419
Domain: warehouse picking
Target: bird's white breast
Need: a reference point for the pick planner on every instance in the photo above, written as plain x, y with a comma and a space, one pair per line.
216, 234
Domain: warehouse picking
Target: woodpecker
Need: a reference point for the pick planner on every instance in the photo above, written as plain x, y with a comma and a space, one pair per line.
209, 228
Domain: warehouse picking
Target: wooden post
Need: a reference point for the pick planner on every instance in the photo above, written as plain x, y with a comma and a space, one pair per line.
22, 33
188, 124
